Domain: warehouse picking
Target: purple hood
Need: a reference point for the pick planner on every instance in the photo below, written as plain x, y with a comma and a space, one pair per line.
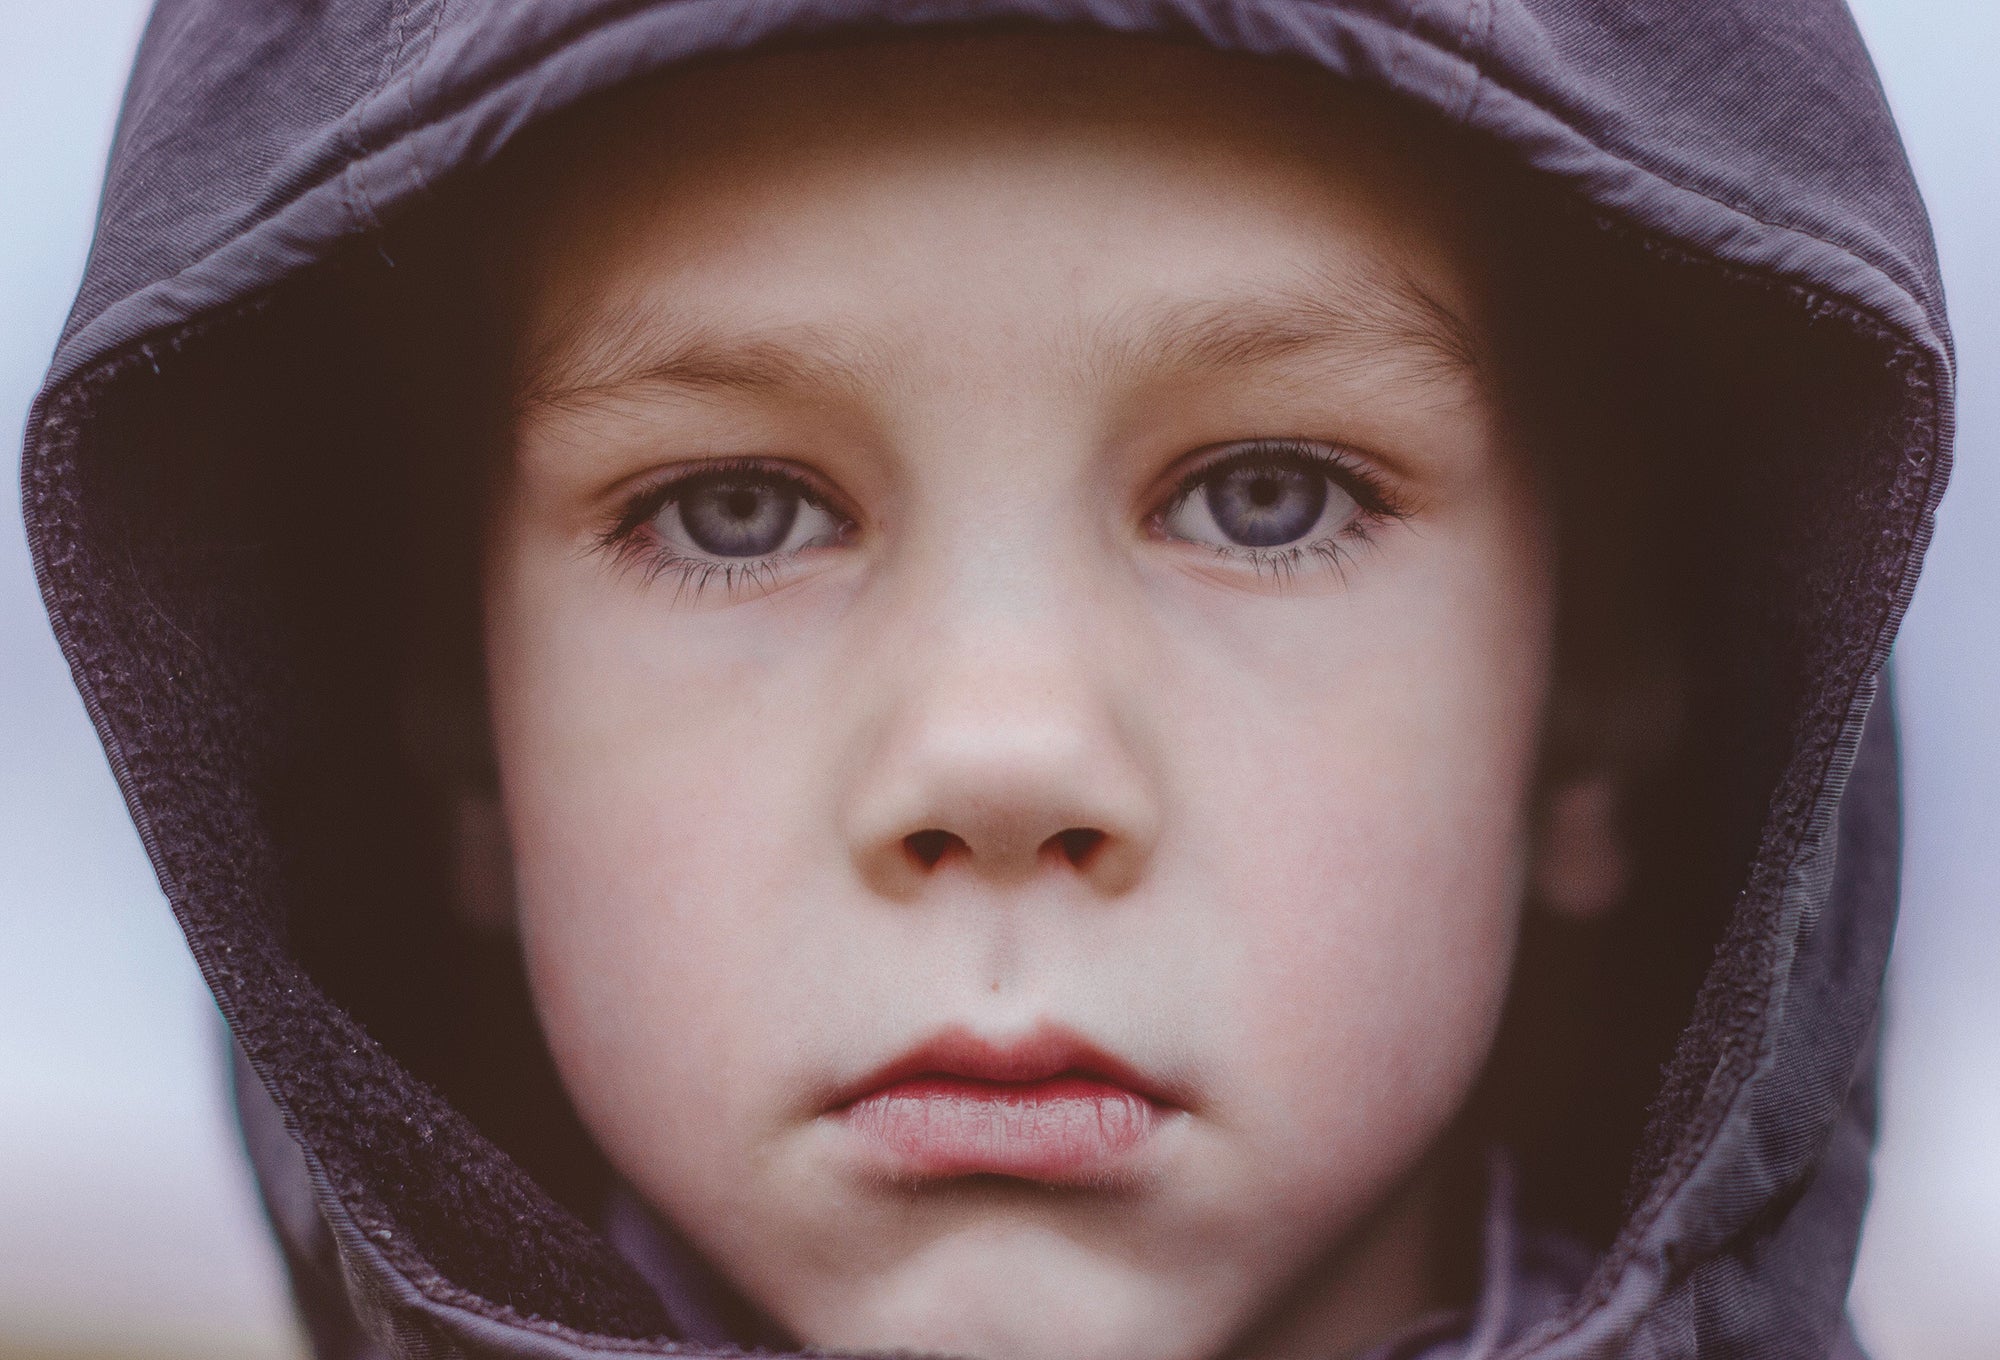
417, 1157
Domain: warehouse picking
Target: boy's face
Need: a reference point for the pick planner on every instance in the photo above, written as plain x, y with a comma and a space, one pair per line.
1017, 639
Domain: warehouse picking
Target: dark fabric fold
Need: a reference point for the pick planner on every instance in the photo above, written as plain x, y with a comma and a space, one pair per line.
1735, 158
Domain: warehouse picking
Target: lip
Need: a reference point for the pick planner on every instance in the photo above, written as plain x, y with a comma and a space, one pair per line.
1048, 1107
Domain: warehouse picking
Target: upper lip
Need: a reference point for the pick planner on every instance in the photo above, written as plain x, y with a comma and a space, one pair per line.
1044, 1052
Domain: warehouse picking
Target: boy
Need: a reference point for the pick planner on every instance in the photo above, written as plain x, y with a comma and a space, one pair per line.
1044, 613
1029, 654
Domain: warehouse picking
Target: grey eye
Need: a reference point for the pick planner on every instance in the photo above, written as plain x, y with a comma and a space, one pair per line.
736, 516
1265, 505
1262, 502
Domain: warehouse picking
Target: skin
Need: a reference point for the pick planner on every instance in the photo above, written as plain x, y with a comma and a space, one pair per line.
992, 295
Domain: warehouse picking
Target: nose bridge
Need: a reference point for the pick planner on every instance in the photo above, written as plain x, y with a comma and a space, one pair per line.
1005, 745
1011, 709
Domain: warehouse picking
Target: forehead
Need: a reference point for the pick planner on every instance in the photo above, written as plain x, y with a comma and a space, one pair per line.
1126, 202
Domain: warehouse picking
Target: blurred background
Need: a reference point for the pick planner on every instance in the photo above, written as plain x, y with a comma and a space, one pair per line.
128, 1226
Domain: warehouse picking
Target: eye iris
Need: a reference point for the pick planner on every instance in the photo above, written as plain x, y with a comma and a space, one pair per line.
738, 519
1261, 505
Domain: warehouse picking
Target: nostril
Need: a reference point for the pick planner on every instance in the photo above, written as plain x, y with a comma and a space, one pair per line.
928, 847
1079, 843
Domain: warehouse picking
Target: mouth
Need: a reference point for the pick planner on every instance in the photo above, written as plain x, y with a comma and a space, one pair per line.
1048, 1107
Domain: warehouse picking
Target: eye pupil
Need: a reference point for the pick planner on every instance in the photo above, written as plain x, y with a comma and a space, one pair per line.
1262, 506
737, 518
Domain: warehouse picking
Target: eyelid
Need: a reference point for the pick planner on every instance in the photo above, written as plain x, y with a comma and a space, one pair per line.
628, 543
1354, 474
656, 491
625, 538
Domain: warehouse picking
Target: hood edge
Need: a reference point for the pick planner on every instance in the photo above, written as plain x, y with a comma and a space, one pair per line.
170, 313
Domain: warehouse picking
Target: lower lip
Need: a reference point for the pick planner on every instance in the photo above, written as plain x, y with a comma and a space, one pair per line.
1062, 1130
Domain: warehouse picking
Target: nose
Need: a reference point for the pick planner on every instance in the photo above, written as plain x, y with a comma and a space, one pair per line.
1004, 762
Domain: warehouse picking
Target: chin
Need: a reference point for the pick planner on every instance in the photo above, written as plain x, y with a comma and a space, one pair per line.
1015, 1295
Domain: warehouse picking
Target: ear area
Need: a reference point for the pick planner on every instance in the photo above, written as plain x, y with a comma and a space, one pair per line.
1603, 739
1580, 865
446, 742
482, 862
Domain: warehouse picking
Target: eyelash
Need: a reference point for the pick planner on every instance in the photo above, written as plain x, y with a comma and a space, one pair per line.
1376, 504
625, 539
630, 546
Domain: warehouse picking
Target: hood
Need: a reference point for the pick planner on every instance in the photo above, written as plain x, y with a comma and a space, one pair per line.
201, 425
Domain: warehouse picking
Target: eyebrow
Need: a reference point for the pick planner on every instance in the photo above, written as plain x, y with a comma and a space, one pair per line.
1376, 317
600, 355
1379, 318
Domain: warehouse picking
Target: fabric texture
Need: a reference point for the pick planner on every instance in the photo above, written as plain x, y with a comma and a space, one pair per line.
201, 428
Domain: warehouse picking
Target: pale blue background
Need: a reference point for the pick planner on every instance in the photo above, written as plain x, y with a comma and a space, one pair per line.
127, 1226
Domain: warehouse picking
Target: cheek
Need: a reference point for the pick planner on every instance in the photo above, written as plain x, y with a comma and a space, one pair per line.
1364, 804
646, 778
